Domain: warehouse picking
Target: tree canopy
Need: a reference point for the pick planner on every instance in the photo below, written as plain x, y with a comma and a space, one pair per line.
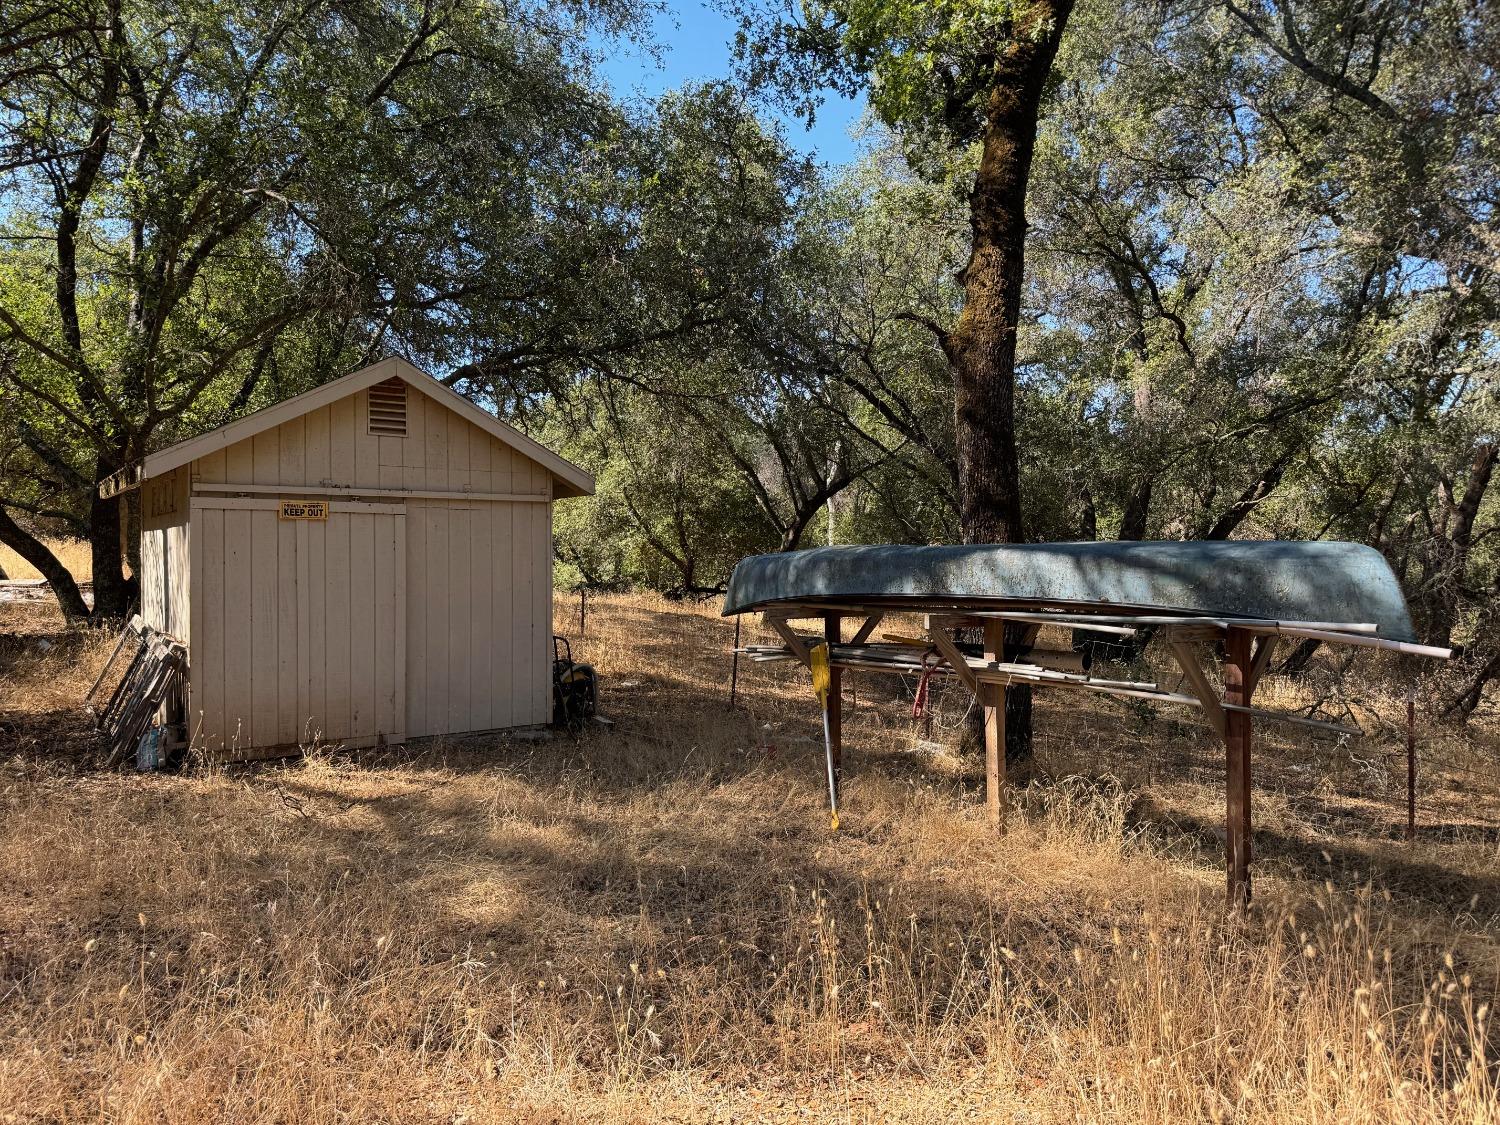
1258, 296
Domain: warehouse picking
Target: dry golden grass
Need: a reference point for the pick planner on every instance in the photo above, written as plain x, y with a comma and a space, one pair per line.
72, 553
654, 922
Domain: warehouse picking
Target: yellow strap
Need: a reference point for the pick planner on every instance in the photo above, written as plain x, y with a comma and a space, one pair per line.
821, 680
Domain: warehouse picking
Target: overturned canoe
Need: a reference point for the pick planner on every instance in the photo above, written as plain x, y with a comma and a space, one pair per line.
1337, 583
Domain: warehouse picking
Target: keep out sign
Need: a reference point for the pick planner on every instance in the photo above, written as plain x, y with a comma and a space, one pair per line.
304, 510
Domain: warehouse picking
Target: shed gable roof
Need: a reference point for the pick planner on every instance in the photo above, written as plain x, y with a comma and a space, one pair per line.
570, 479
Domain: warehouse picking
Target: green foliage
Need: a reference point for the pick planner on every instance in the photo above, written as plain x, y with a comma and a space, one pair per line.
1260, 290
665, 515
927, 67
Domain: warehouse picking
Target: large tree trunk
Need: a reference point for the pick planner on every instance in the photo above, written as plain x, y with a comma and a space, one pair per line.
1248, 500
34, 551
1454, 542
1463, 702
1133, 520
981, 348
1296, 663
113, 594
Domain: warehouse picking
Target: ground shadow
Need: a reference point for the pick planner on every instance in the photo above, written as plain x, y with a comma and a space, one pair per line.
1342, 859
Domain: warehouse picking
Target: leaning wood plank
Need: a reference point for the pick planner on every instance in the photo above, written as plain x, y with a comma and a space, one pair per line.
132, 629
1264, 646
902, 639
793, 641
992, 696
122, 689
864, 631
156, 675
957, 660
833, 712
1213, 710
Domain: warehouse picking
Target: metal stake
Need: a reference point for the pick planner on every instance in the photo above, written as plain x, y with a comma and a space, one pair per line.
1411, 764
833, 776
825, 689
734, 667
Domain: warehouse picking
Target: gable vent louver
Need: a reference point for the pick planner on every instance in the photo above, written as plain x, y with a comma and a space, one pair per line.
388, 408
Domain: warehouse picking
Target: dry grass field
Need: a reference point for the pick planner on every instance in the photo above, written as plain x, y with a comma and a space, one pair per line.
653, 922
72, 553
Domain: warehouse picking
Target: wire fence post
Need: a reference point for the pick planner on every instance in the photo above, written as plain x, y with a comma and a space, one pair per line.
583, 611
1411, 764
734, 667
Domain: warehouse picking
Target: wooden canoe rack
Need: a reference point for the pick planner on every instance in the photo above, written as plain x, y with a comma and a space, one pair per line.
1246, 646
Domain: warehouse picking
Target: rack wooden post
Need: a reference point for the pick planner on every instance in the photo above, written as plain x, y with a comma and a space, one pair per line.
992, 697
1248, 647
734, 664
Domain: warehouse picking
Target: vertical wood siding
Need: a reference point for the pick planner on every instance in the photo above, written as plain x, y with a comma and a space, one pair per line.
165, 562
478, 634
332, 447
263, 675
303, 627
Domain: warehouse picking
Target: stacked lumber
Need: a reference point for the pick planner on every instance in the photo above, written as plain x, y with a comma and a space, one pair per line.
155, 677
911, 659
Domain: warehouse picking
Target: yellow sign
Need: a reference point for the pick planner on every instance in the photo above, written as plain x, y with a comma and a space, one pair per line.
304, 510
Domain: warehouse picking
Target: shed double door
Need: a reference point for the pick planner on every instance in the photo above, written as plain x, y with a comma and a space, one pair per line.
299, 625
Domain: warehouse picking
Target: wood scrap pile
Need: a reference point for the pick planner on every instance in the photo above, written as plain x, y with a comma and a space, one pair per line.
155, 677
901, 656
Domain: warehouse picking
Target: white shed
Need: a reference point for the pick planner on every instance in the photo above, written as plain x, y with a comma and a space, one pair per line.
365, 563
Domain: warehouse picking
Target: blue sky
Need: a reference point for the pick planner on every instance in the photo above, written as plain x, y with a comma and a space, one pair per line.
696, 42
